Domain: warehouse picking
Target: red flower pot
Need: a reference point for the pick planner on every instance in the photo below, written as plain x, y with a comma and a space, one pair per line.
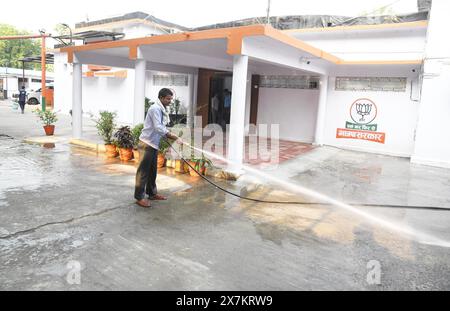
49, 130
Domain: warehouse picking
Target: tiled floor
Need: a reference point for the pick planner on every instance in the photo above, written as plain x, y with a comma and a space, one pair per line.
265, 152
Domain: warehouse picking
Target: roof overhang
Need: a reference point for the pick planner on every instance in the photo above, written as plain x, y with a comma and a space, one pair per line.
215, 49
361, 28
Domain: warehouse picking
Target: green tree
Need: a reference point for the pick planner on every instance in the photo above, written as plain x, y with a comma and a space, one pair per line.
11, 51
61, 30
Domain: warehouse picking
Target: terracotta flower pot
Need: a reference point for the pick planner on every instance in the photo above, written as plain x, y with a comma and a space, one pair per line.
111, 151
170, 163
203, 170
49, 130
136, 154
161, 160
126, 154
192, 172
179, 166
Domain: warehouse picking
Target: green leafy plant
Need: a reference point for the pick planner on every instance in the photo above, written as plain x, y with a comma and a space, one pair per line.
164, 145
136, 132
106, 125
199, 162
47, 117
175, 106
124, 137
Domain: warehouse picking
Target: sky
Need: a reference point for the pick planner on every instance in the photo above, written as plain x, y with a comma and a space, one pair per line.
33, 15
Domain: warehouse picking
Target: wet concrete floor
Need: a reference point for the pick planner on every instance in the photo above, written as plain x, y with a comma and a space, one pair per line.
61, 205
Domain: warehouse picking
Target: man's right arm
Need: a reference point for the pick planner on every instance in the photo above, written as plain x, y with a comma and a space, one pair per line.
159, 127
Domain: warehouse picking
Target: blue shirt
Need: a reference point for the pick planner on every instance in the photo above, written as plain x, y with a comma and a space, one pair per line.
154, 127
227, 101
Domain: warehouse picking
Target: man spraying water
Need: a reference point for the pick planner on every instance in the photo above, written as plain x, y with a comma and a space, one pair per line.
154, 129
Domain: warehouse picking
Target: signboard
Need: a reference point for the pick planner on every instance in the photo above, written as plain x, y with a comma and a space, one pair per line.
361, 135
363, 114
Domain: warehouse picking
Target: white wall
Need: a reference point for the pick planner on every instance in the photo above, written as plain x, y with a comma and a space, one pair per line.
140, 30
433, 134
62, 95
295, 111
402, 44
106, 93
112, 94
181, 92
397, 118
99, 93
12, 85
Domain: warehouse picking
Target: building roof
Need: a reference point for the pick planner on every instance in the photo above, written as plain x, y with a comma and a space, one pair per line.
278, 22
130, 18
49, 59
320, 21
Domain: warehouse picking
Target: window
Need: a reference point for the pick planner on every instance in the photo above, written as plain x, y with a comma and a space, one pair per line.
39, 81
290, 82
371, 84
170, 80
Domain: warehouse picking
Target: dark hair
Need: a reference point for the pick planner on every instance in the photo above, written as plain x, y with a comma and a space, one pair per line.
165, 92
23, 87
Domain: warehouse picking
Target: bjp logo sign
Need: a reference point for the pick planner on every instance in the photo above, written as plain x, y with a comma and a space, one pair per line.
363, 113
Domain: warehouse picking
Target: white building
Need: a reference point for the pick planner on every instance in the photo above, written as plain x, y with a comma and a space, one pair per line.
374, 88
112, 88
12, 79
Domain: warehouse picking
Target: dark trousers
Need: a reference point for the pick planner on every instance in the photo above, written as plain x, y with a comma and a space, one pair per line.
22, 106
146, 172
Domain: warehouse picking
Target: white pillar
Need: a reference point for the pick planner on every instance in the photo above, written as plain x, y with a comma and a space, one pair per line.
321, 112
139, 91
190, 110
194, 96
432, 140
77, 114
237, 118
248, 102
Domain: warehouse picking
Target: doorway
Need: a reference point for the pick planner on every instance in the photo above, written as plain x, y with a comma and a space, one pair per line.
220, 99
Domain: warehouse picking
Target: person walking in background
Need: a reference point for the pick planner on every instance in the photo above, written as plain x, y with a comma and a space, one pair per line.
22, 99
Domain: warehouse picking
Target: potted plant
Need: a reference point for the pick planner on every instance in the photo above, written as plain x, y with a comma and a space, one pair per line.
124, 139
164, 146
199, 165
177, 164
105, 126
205, 163
48, 118
136, 132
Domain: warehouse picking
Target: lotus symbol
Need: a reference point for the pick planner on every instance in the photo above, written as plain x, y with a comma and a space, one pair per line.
363, 110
